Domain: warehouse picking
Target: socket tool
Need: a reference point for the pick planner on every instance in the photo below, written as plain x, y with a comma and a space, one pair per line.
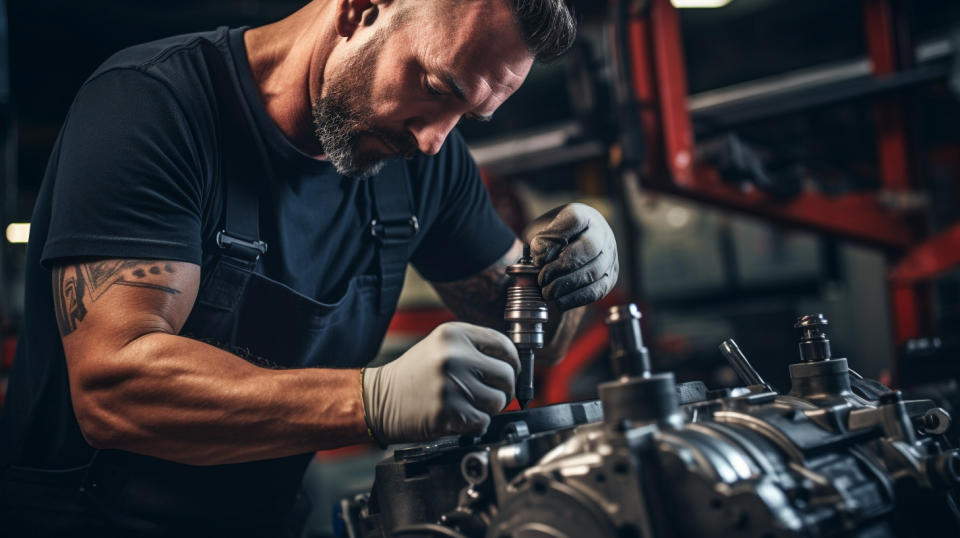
525, 314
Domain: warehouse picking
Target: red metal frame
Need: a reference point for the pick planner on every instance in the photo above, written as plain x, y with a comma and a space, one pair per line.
589, 345
879, 20
883, 47
419, 321
931, 258
858, 217
910, 298
659, 84
658, 79
8, 347
645, 90
667, 67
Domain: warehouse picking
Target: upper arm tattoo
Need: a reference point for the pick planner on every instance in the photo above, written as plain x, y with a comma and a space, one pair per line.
75, 286
481, 298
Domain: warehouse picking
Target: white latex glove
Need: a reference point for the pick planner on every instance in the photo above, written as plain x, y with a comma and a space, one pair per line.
577, 253
449, 383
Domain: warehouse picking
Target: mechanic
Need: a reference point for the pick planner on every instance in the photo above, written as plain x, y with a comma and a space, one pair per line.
226, 219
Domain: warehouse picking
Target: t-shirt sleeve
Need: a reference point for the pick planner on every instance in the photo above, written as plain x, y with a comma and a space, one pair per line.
128, 178
467, 236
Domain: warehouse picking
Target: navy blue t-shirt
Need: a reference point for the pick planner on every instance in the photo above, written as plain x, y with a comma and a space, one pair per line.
135, 173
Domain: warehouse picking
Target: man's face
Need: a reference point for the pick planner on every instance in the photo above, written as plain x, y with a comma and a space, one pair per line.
398, 88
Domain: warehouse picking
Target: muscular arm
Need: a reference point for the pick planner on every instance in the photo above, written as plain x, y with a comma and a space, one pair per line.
138, 386
481, 299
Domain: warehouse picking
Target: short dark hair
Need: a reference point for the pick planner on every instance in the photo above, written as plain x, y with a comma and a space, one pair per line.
547, 26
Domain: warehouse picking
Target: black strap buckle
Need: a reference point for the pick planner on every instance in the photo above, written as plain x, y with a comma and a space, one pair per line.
384, 230
243, 248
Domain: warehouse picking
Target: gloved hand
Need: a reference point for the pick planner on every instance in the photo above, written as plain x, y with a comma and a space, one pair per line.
576, 249
449, 383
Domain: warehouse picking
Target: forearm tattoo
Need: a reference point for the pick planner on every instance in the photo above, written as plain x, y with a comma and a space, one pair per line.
76, 286
481, 298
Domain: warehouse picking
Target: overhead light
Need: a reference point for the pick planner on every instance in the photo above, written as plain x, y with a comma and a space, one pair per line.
18, 232
699, 3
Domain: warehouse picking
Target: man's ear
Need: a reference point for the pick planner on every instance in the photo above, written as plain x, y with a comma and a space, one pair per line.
350, 14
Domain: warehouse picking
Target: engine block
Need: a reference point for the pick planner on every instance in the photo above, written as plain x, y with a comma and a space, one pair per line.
838, 455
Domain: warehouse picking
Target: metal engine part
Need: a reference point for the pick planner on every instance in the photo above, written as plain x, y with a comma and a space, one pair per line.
838, 456
525, 314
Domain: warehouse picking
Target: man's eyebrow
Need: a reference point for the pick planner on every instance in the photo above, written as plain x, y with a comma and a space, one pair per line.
457, 90
454, 85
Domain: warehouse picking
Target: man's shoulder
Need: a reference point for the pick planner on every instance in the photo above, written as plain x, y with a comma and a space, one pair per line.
182, 76
181, 63
169, 55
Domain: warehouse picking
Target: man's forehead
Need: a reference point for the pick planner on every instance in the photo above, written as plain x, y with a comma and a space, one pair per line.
483, 53
492, 76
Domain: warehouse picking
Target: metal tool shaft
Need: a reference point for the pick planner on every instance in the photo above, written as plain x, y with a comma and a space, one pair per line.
738, 361
525, 379
628, 356
525, 313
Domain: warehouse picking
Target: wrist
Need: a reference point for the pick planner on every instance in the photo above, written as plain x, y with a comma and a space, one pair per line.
352, 403
367, 406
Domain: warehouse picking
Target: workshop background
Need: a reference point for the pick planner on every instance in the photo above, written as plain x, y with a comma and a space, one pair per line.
758, 159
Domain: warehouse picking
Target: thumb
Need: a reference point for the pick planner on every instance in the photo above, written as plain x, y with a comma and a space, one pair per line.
551, 232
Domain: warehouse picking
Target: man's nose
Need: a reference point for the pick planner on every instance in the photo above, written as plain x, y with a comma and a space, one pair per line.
430, 135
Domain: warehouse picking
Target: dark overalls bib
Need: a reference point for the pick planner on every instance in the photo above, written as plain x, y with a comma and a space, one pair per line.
268, 323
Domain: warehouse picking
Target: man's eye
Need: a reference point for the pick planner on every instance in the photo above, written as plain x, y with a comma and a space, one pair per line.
431, 90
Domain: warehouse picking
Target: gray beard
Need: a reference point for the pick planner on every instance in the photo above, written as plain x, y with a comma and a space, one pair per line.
337, 127
342, 118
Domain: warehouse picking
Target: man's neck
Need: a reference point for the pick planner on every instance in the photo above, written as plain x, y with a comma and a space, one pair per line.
287, 59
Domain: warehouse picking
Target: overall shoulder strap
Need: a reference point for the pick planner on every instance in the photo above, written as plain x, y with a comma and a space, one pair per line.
394, 224
242, 168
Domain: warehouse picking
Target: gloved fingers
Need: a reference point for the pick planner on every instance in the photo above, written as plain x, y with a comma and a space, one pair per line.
573, 258
491, 400
614, 271
456, 420
559, 286
493, 373
567, 224
486, 398
540, 224
580, 253
492, 344
544, 248
590, 293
